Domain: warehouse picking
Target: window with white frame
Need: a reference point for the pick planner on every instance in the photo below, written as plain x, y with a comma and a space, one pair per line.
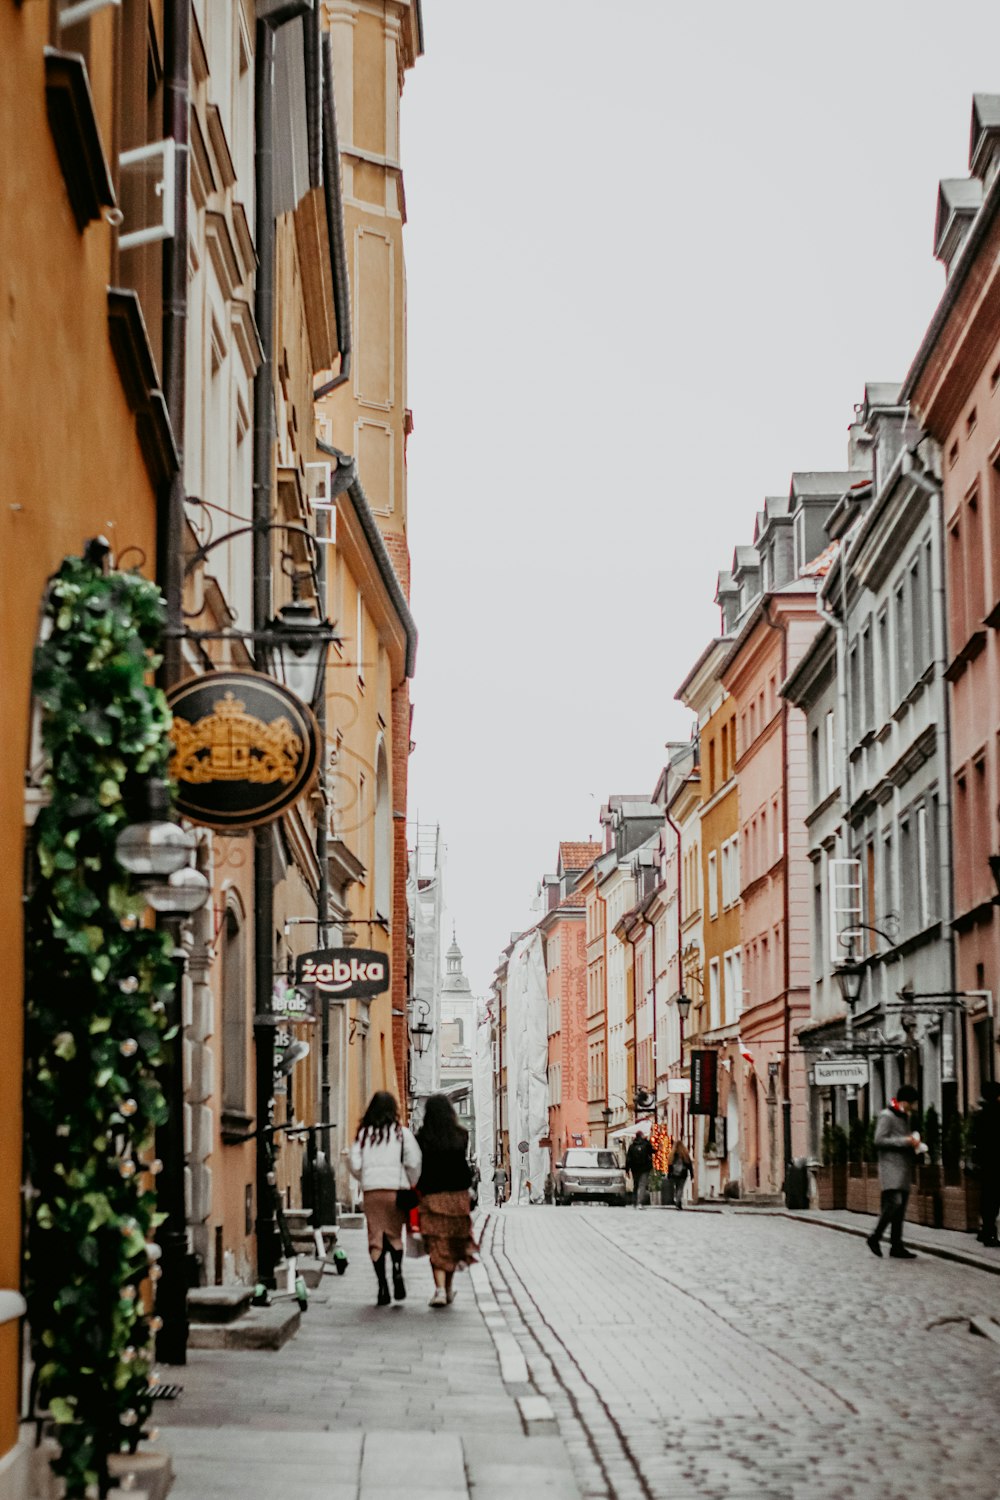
830, 744
714, 994
713, 885
733, 977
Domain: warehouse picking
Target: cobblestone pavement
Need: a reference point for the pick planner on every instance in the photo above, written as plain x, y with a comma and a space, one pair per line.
734, 1354
364, 1403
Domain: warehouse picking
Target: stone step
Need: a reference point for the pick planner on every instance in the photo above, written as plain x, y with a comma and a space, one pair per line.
258, 1328
218, 1304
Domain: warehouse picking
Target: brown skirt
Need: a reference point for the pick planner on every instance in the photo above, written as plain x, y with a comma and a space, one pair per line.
446, 1227
383, 1218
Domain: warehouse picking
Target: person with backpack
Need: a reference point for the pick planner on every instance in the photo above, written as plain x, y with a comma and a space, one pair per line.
385, 1158
639, 1164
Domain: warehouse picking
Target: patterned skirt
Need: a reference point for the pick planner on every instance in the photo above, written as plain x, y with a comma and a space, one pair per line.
446, 1227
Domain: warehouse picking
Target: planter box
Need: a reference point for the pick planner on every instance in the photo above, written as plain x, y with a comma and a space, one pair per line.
857, 1189
831, 1187
960, 1205
874, 1189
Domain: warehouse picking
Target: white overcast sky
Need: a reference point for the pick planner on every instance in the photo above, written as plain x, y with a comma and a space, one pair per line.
654, 251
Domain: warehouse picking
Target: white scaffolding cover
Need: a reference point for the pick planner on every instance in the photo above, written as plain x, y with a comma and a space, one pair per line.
527, 1068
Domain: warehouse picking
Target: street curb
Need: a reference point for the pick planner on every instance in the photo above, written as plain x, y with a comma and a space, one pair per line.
943, 1252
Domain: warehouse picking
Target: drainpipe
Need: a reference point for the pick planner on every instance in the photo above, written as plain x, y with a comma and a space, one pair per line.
604, 941
656, 1101
171, 1300
335, 230
931, 487
263, 475
786, 1103
680, 943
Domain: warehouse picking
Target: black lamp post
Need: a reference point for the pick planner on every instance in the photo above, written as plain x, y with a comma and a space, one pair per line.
606, 1114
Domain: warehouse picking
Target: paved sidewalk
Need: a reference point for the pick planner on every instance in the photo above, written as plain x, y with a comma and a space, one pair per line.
365, 1403
948, 1244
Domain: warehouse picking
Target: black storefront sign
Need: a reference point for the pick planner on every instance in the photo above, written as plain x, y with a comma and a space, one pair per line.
343, 973
704, 1083
245, 749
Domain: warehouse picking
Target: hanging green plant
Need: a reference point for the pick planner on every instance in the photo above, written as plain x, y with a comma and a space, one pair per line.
97, 980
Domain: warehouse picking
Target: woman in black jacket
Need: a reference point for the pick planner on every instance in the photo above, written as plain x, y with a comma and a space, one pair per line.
445, 1176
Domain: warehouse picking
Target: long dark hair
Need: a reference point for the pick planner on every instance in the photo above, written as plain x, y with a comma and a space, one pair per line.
380, 1119
440, 1130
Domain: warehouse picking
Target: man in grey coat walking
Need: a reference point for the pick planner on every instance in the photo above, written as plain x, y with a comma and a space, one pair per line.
897, 1146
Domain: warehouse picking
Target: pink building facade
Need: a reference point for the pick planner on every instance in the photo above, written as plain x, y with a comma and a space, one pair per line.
954, 388
564, 934
771, 771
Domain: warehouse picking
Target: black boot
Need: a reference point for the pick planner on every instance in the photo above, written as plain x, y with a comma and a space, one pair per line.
383, 1286
398, 1284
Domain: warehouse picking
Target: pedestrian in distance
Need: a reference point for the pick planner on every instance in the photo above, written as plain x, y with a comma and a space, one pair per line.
385, 1158
499, 1185
445, 1178
898, 1148
986, 1159
639, 1164
679, 1169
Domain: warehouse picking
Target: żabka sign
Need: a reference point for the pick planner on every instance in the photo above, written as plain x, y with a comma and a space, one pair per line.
344, 973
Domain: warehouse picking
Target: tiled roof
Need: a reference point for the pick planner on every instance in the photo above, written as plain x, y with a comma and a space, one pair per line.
579, 856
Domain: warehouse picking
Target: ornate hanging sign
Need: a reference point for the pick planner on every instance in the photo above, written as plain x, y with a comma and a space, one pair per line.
343, 973
245, 748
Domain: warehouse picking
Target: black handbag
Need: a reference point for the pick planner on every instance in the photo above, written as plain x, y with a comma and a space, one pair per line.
406, 1198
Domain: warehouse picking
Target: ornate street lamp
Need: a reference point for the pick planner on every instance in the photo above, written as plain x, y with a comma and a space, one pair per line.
850, 976
606, 1114
300, 641
420, 1031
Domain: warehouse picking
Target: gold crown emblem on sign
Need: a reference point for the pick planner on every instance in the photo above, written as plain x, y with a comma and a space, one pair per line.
231, 745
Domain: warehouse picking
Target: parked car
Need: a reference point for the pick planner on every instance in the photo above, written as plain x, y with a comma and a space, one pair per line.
589, 1175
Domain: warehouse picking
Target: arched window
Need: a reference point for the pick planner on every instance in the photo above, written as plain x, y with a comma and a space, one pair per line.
234, 1013
383, 835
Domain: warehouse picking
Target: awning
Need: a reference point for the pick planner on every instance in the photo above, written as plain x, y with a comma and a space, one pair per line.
633, 1129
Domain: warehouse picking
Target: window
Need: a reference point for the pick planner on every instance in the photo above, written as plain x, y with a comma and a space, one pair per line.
734, 986
713, 885
926, 883
884, 655
961, 840
725, 752
711, 766
907, 878
817, 922
889, 903
868, 677
975, 591
360, 638
854, 687
904, 660
383, 836
714, 995
817, 791
764, 847
831, 751
994, 526
920, 619
234, 1015
956, 590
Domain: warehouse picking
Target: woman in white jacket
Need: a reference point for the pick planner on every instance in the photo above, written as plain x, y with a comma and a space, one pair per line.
385, 1157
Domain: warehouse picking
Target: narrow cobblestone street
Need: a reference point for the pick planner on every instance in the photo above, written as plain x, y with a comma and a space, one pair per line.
680, 1364
675, 1361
